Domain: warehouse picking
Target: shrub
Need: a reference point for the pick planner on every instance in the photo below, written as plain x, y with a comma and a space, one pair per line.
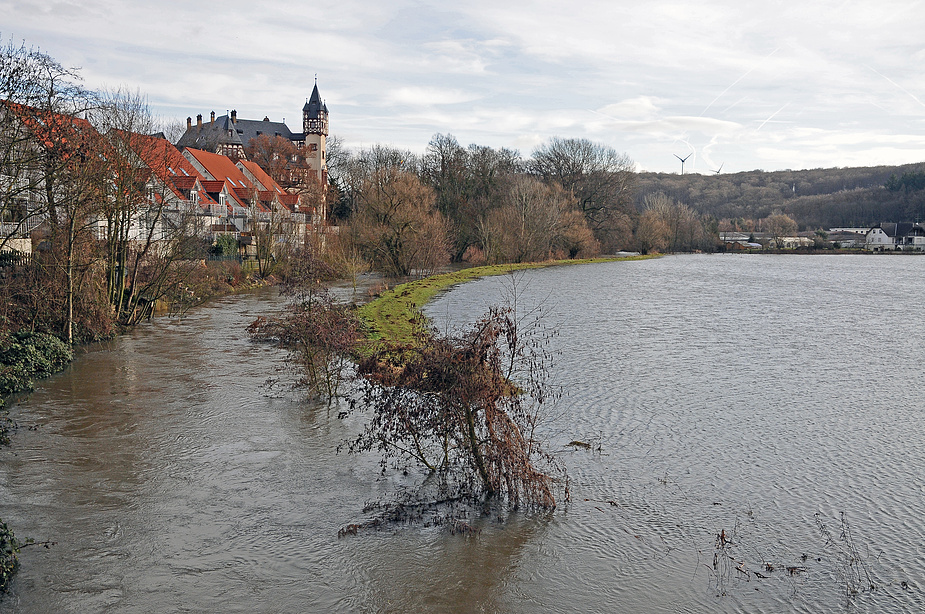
226, 245
466, 408
9, 548
27, 356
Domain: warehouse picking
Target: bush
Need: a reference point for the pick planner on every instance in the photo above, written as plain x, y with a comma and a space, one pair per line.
27, 356
9, 548
226, 245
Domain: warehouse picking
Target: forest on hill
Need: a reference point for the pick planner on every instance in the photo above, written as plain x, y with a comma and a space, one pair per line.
817, 198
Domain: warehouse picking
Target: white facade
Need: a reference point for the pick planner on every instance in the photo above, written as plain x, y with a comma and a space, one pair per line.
895, 237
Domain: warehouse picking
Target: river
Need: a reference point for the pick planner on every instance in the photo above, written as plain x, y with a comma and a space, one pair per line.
756, 424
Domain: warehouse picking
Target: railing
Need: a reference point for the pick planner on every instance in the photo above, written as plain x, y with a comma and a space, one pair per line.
14, 258
21, 229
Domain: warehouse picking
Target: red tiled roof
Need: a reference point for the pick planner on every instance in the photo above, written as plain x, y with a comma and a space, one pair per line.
159, 155
262, 176
221, 167
185, 183
58, 132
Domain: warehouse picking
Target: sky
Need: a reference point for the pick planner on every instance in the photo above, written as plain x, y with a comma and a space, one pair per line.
730, 85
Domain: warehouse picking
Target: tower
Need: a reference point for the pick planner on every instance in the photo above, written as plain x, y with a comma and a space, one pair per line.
315, 127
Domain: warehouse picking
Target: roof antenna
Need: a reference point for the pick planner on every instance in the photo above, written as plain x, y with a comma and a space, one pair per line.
683, 160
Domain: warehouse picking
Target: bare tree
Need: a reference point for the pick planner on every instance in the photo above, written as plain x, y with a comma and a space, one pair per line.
468, 183
601, 180
534, 221
33, 86
153, 236
397, 224
351, 173
685, 230
778, 226
280, 158
652, 234
319, 333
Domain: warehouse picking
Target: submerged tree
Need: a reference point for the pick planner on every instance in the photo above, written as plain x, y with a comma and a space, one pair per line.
466, 407
319, 332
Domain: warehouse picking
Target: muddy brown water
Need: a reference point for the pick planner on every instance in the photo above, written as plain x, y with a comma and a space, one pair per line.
776, 401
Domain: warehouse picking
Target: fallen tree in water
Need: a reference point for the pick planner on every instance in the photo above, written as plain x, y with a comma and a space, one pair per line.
465, 408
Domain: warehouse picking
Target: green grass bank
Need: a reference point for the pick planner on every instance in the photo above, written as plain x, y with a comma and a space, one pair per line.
393, 315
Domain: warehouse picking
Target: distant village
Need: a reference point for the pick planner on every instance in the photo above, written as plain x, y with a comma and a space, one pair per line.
885, 237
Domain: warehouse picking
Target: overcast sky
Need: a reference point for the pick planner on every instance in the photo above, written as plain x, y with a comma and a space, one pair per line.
739, 84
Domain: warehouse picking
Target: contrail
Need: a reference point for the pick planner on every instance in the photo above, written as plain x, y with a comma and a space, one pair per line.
723, 93
901, 88
772, 117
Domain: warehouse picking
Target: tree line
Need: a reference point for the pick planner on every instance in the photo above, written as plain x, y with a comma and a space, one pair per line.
401, 212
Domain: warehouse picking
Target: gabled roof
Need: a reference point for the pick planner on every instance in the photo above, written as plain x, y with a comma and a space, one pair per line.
163, 160
214, 188
900, 229
185, 185
218, 167
290, 201
59, 132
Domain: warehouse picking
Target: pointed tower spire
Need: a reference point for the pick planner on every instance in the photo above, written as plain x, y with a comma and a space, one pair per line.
315, 114
315, 128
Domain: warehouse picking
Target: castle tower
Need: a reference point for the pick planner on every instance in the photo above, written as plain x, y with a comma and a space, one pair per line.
315, 127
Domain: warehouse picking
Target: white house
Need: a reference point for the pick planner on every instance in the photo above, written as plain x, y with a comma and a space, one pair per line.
888, 237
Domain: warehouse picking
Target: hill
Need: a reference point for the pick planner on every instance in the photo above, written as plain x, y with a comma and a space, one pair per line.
817, 198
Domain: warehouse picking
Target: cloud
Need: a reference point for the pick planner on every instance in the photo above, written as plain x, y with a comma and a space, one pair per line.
427, 96
755, 84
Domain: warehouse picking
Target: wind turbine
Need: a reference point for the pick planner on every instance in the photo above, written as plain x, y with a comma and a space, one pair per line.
716, 172
683, 160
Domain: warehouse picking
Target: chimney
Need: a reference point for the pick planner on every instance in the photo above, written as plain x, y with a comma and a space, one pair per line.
189, 123
234, 116
199, 121
213, 117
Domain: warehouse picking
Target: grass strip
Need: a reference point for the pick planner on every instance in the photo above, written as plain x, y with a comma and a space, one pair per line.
392, 317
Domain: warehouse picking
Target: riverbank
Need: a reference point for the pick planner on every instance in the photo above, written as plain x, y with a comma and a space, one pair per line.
27, 356
393, 317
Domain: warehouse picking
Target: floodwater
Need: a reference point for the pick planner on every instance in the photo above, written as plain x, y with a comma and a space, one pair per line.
757, 446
